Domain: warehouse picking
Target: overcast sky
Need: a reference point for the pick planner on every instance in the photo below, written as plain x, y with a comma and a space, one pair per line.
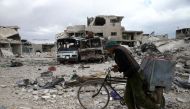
42, 19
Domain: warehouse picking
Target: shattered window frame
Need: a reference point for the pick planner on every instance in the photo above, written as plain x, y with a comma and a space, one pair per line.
113, 33
63, 44
99, 21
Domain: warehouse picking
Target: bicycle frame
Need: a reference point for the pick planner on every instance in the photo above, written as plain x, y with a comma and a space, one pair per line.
108, 81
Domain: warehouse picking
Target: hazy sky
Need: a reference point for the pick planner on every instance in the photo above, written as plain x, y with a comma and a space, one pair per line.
42, 19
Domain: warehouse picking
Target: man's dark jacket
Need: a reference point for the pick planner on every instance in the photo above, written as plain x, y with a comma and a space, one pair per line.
134, 94
126, 63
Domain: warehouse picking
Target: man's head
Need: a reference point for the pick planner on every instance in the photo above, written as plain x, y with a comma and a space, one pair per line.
111, 45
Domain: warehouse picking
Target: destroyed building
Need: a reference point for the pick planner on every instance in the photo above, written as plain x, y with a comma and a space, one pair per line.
130, 38
49, 47
102, 26
183, 33
10, 41
76, 30
26, 46
106, 26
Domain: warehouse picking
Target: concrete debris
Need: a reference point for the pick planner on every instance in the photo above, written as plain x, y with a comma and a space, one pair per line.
149, 47
6, 53
10, 41
182, 83
16, 64
24, 82
24, 108
56, 88
83, 67
182, 100
3, 86
2, 107
47, 74
47, 80
55, 81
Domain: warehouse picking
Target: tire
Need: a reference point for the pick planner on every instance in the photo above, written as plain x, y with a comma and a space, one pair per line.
90, 88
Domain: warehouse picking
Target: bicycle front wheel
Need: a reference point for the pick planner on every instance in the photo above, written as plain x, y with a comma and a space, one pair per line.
89, 98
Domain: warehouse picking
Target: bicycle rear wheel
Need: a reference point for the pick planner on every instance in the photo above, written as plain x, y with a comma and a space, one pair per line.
89, 89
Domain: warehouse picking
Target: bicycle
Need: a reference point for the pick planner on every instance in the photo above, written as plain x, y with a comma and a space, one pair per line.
96, 91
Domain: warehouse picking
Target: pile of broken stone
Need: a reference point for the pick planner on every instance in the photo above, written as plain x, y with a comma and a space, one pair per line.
46, 87
179, 50
180, 54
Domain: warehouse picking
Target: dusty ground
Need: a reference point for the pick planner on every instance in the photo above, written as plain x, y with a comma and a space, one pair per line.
14, 97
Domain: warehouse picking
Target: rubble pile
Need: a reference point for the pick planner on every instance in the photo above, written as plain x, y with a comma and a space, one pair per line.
178, 50
38, 54
31, 86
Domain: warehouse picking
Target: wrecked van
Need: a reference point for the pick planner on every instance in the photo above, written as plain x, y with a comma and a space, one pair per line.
92, 49
68, 49
80, 49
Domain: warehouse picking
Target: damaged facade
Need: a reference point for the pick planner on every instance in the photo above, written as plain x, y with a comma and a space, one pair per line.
76, 30
103, 26
10, 41
28, 47
183, 33
43, 48
130, 38
106, 26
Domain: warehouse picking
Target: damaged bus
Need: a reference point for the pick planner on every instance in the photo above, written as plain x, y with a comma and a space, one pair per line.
80, 49
92, 49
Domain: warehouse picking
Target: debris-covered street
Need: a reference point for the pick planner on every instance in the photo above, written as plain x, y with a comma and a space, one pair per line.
19, 90
94, 54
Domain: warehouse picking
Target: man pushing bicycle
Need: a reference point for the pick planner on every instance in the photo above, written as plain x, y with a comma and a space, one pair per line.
136, 94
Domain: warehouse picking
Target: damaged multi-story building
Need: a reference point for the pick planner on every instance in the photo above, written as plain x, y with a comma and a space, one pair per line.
10, 41
76, 30
33, 48
105, 26
183, 33
130, 38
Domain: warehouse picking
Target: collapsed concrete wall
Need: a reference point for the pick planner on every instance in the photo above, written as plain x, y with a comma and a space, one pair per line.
43, 48
183, 33
130, 38
26, 46
10, 39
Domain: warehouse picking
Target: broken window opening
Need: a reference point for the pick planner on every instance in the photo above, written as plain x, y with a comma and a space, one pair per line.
89, 20
113, 21
67, 44
99, 21
71, 34
96, 43
132, 37
79, 34
85, 44
99, 34
113, 33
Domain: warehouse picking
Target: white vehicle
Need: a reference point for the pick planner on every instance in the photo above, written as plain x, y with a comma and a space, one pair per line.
68, 49
79, 49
